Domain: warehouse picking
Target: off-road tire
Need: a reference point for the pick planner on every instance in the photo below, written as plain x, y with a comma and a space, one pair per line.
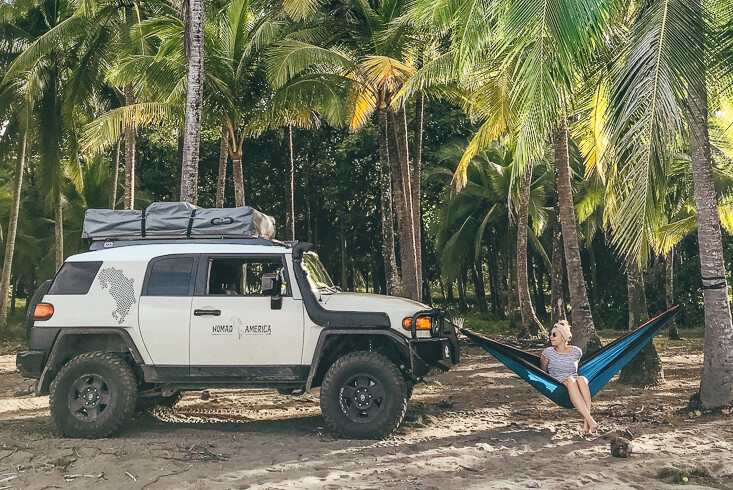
377, 369
158, 401
31, 306
87, 370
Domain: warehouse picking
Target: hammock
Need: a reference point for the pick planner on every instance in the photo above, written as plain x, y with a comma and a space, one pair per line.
598, 368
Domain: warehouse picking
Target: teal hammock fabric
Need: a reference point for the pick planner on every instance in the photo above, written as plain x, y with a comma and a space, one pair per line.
598, 368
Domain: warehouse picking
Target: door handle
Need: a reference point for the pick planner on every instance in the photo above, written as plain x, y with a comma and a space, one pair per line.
198, 312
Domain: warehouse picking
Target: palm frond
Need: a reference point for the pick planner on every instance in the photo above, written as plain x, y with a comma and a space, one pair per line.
104, 131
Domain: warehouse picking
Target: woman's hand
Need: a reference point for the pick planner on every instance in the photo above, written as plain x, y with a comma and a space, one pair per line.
543, 363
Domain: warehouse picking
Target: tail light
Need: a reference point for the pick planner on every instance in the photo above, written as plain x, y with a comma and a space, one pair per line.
43, 311
423, 323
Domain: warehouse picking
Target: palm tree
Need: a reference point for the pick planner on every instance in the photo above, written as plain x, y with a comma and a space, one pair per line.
669, 58
194, 42
368, 58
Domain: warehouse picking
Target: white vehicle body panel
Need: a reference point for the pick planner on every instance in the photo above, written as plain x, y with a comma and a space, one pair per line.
247, 332
164, 327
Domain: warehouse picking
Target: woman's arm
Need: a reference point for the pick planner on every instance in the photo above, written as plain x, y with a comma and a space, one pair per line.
543, 363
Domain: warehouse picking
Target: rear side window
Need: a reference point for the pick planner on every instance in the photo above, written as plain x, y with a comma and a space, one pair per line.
75, 278
171, 276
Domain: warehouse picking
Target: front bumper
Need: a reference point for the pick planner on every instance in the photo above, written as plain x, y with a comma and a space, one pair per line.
30, 363
441, 350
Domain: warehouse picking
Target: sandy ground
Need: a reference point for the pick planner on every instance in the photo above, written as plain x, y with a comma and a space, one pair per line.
477, 426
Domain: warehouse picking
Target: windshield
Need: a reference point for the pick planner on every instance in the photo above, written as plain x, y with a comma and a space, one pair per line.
316, 273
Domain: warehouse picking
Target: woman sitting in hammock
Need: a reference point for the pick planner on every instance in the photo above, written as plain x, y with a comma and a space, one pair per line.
561, 362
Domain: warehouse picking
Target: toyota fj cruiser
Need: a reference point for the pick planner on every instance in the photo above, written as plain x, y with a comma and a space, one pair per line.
142, 317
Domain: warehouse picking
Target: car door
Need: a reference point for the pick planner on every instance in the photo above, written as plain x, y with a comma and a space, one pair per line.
236, 330
164, 312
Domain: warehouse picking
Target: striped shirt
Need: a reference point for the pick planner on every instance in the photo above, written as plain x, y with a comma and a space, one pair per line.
562, 366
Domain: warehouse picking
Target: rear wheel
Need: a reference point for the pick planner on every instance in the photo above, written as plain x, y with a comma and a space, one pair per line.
93, 395
363, 396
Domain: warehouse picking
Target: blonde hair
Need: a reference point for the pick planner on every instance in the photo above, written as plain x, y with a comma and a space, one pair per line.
564, 327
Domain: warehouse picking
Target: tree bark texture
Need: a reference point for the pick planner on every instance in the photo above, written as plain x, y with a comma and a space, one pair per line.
389, 254
238, 177
478, 283
192, 124
403, 209
669, 291
401, 179
716, 383
12, 233
530, 323
417, 184
290, 198
221, 178
59, 233
584, 332
115, 177
557, 277
129, 153
645, 369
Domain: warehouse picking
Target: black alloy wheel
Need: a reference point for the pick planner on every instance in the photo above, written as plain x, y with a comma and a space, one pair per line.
362, 398
88, 397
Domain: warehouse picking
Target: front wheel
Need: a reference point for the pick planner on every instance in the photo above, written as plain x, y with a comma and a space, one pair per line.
92, 395
363, 396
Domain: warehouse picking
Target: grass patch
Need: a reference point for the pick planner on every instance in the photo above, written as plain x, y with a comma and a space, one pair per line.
12, 336
487, 323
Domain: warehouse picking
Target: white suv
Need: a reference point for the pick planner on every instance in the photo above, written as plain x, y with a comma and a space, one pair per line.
140, 321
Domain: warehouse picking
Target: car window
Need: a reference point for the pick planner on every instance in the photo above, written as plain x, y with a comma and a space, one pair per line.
171, 276
75, 278
242, 276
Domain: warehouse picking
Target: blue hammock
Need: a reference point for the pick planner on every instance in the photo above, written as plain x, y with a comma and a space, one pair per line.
598, 368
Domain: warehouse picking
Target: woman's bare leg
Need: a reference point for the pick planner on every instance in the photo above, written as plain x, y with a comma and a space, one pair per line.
579, 403
582, 382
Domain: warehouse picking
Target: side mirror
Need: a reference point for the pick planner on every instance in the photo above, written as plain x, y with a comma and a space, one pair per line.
270, 284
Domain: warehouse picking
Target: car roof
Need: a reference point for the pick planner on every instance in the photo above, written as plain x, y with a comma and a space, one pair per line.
147, 251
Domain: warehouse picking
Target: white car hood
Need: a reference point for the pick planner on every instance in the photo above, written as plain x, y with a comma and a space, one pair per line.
369, 302
396, 308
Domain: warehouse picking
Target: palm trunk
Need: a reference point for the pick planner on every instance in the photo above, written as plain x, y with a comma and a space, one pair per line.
417, 184
462, 306
222, 176
538, 279
716, 383
645, 369
478, 284
238, 178
115, 177
530, 323
669, 291
405, 217
12, 233
343, 255
584, 332
493, 278
290, 198
59, 233
557, 278
403, 211
389, 255
593, 287
192, 124
129, 153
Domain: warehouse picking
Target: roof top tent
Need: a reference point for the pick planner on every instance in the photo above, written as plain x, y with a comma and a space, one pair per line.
177, 220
